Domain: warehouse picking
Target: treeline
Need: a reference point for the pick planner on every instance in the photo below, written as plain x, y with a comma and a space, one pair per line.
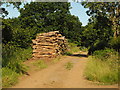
38, 17
103, 29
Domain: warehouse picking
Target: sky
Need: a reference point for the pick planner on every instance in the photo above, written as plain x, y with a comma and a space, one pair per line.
77, 10
80, 11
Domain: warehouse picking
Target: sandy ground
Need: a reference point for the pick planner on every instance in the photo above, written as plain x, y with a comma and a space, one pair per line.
57, 76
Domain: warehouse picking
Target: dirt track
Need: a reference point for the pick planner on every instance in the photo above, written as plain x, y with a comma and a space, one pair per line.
57, 76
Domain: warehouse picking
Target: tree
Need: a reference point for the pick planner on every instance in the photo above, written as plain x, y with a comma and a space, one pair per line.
50, 16
95, 37
109, 10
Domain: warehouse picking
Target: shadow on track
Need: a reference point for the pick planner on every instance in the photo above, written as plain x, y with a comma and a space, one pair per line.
79, 55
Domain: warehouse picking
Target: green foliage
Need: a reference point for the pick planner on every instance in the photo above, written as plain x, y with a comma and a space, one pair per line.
104, 54
103, 67
40, 63
72, 48
14, 34
95, 38
9, 77
14, 56
84, 49
35, 17
107, 12
115, 43
68, 53
103, 24
69, 65
46, 18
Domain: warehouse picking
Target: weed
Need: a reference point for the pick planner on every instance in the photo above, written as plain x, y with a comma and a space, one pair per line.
9, 77
69, 65
14, 56
40, 63
102, 71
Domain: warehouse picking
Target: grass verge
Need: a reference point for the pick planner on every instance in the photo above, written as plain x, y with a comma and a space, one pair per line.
9, 77
12, 64
103, 71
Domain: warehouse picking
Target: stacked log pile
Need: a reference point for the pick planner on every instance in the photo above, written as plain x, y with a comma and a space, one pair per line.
49, 45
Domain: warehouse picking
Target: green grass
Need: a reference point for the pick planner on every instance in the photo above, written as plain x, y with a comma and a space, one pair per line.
69, 65
12, 66
13, 58
103, 71
9, 77
68, 53
84, 49
72, 48
40, 64
55, 60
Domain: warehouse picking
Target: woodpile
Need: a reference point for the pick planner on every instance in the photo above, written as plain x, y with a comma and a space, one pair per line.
49, 45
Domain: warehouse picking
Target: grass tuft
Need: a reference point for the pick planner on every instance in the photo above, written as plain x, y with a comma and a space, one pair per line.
69, 65
40, 63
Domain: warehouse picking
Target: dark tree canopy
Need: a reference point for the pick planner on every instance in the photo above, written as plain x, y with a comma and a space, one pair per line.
109, 10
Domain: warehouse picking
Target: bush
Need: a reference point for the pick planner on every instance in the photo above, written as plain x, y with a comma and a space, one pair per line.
98, 45
103, 67
14, 56
9, 77
104, 54
115, 43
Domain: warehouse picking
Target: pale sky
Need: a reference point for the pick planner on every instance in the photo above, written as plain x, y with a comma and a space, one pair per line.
77, 10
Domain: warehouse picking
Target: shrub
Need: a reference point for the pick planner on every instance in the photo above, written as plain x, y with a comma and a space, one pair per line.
14, 56
104, 54
115, 43
9, 77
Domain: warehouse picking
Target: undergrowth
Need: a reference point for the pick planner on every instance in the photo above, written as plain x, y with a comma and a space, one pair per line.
12, 63
72, 48
103, 67
9, 77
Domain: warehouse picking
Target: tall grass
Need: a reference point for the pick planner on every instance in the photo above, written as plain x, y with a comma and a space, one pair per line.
102, 68
12, 58
9, 77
